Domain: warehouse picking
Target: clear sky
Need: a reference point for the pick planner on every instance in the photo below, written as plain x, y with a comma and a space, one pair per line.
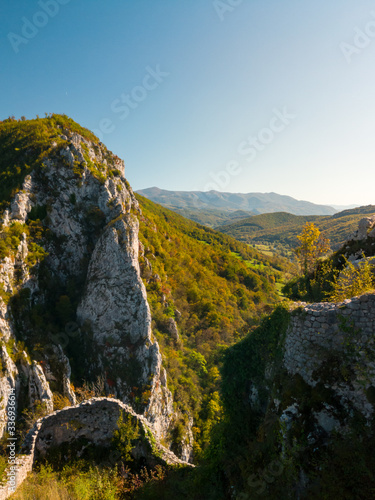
239, 96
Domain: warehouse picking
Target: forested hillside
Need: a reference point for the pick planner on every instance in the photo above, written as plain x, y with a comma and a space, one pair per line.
212, 217
216, 289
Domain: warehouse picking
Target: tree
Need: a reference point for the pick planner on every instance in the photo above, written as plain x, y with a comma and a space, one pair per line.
352, 281
313, 246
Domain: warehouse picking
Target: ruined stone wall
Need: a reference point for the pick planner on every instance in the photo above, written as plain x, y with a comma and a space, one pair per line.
317, 332
95, 420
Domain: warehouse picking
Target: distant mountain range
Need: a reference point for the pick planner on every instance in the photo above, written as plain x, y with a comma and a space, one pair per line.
339, 208
193, 202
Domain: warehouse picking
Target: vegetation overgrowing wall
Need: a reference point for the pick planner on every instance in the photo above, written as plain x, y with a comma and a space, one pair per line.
319, 331
299, 396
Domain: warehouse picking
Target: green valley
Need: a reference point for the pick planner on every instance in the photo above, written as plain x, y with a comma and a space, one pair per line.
281, 229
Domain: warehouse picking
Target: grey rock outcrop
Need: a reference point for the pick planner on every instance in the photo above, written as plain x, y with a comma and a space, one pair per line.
185, 446
365, 228
39, 389
116, 309
91, 217
173, 329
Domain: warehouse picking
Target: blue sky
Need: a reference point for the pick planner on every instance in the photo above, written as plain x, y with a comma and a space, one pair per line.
239, 96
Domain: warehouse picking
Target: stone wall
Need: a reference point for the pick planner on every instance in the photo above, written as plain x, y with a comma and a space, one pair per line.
95, 420
345, 330
24, 466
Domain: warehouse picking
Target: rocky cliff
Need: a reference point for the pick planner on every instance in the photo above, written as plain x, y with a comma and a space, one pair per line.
71, 293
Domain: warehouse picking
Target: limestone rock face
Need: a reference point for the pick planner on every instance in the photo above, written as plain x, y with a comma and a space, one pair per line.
185, 451
21, 204
90, 225
116, 310
65, 373
115, 297
9, 375
39, 389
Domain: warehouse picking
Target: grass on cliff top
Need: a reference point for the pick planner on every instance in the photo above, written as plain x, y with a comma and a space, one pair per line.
24, 144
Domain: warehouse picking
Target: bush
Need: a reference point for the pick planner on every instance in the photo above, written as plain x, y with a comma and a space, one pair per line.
123, 438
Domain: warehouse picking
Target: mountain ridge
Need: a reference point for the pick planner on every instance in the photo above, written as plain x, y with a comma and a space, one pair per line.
255, 202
